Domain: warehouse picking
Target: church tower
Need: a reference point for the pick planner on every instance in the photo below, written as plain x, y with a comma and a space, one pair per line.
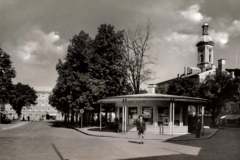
205, 50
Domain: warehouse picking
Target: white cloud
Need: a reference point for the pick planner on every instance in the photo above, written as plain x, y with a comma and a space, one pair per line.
193, 14
221, 38
234, 29
180, 37
180, 43
38, 47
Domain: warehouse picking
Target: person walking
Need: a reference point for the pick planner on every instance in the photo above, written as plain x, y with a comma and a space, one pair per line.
141, 127
198, 127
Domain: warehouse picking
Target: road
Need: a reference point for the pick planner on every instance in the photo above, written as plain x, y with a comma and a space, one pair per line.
42, 141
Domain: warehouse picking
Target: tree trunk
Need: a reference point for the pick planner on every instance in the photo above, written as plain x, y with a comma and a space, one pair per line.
2, 108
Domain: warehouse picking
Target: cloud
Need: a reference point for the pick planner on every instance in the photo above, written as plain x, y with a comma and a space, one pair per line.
174, 44
181, 43
38, 47
193, 14
34, 54
221, 38
234, 28
180, 37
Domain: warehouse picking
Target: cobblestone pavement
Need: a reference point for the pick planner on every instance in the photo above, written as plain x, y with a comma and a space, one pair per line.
41, 141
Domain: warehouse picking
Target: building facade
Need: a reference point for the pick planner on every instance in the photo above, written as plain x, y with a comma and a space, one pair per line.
163, 114
205, 62
204, 68
41, 111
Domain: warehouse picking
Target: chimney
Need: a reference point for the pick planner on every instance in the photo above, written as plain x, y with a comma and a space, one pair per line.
185, 71
221, 65
152, 88
232, 74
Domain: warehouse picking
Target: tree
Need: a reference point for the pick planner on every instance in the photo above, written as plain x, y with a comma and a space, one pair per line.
136, 44
184, 87
108, 63
7, 73
72, 90
217, 89
92, 69
22, 95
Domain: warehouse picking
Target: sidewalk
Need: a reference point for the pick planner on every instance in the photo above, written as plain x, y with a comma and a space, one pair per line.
128, 135
208, 133
148, 136
12, 125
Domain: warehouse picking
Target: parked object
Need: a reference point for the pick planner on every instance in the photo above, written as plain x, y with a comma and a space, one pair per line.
230, 120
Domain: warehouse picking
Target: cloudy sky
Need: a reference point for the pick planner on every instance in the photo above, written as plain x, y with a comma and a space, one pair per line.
36, 33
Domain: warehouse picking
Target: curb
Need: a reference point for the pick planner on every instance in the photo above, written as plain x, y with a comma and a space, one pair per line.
191, 139
95, 135
13, 126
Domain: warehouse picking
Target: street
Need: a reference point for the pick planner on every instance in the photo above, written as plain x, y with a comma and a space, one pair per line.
42, 141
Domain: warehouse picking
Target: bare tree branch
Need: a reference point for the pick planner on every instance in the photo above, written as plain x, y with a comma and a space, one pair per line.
136, 45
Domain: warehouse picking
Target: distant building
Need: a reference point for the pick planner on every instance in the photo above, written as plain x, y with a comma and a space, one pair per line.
205, 65
204, 68
41, 111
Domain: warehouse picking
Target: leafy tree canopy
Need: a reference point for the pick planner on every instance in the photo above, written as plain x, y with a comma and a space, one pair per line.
108, 64
92, 69
184, 87
7, 73
22, 95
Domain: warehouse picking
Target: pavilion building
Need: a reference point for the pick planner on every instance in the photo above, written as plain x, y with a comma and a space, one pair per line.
168, 114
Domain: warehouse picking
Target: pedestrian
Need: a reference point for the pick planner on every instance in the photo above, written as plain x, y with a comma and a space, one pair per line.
116, 124
141, 127
198, 128
161, 128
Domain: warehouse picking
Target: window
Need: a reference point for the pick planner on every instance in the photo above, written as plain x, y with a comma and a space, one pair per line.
210, 50
132, 115
201, 58
148, 114
210, 57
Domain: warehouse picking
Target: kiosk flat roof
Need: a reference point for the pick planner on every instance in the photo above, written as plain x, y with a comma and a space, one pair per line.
152, 97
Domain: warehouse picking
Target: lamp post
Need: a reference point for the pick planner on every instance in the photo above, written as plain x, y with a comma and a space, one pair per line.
202, 120
81, 112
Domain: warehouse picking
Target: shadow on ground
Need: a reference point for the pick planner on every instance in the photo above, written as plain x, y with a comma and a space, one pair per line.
60, 124
105, 129
222, 146
168, 157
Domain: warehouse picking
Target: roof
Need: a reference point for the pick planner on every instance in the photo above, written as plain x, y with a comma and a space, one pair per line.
152, 97
166, 81
231, 116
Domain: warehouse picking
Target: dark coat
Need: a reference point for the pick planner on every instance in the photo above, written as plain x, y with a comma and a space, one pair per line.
141, 126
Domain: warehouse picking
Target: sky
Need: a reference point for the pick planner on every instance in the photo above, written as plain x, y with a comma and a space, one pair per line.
36, 33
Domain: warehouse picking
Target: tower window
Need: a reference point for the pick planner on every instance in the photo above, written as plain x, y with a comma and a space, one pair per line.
210, 50
201, 58
210, 57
